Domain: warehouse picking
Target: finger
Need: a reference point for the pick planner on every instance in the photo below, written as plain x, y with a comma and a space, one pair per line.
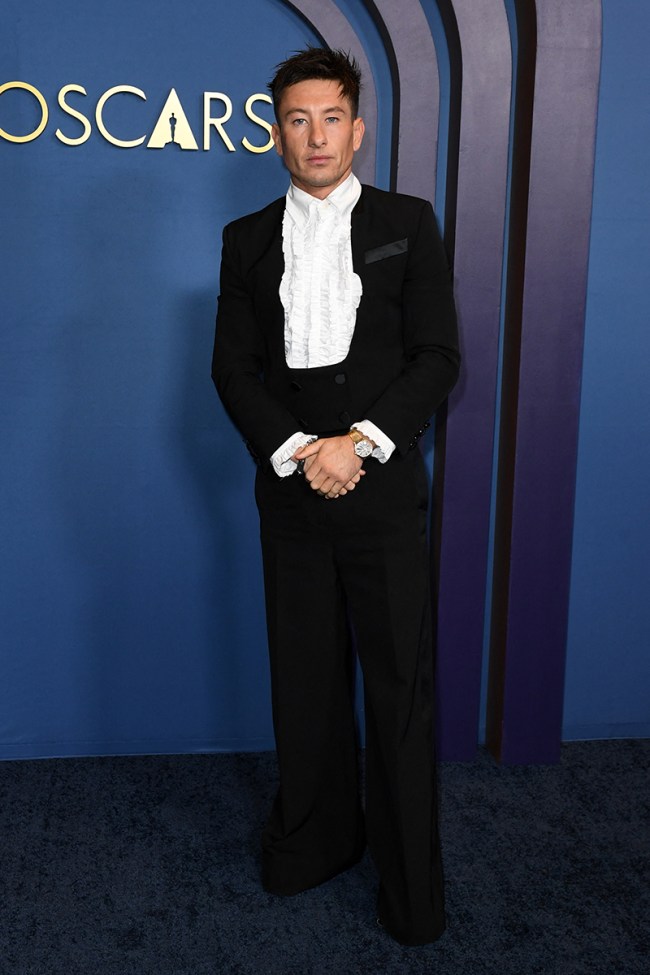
321, 483
308, 450
335, 490
313, 468
343, 489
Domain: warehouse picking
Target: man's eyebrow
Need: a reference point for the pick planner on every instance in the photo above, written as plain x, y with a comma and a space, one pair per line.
325, 111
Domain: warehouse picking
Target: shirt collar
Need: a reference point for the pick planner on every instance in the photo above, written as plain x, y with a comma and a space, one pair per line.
301, 205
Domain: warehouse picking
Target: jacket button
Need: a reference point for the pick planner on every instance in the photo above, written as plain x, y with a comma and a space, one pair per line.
295, 385
344, 417
340, 378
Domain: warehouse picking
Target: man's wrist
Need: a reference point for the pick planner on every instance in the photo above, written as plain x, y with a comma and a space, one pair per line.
363, 445
384, 446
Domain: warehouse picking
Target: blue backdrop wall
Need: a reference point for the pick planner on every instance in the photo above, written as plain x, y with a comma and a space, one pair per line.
608, 663
130, 592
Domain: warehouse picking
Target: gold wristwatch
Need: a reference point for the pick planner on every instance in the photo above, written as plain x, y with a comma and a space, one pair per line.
363, 447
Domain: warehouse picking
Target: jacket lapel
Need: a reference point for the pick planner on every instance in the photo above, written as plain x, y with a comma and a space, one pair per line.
267, 268
359, 234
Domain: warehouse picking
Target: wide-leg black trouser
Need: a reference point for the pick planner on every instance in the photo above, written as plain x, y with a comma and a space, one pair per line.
360, 559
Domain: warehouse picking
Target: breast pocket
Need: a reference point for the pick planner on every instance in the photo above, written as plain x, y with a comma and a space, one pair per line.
383, 270
395, 248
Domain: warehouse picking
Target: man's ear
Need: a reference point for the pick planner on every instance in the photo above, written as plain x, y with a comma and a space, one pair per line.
358, 128
277, 138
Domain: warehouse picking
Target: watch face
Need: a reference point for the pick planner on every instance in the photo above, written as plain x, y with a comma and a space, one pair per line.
363, 448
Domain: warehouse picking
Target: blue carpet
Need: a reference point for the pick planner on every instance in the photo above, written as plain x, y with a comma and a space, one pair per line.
149, 866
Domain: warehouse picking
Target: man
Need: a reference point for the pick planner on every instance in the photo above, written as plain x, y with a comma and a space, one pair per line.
335, 343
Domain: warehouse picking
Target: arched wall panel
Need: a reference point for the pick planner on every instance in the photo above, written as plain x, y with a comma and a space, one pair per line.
559, 53
419, 96
480, 179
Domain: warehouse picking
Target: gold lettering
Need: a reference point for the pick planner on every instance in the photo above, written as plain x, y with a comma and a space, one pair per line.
75, 114
218, 123
128, 89
44, 112
172, 127
259, 97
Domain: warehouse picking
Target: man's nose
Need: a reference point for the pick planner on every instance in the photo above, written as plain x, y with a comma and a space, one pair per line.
317, 135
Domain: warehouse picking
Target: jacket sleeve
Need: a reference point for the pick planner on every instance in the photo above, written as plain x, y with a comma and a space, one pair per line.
430, 340
237, 362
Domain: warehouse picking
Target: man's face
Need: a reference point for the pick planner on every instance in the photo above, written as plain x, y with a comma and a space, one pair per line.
316, 135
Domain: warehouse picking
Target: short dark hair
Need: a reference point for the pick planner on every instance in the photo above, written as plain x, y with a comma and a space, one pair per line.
318, 62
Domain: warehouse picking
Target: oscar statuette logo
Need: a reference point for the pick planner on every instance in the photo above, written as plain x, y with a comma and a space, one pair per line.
172, 128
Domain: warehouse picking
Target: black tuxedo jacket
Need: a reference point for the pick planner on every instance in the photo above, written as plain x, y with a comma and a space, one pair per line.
403, 359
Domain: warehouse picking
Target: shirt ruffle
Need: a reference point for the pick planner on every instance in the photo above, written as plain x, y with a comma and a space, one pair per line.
320, 291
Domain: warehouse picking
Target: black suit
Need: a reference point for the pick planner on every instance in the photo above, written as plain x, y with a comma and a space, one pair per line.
362, 557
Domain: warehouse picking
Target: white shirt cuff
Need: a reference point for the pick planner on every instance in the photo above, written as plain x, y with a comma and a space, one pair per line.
283, 465
385, 445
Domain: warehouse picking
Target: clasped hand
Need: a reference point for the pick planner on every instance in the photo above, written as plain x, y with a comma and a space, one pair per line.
331, 466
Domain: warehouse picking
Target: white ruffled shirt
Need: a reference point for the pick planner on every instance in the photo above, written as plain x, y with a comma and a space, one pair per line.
320, 294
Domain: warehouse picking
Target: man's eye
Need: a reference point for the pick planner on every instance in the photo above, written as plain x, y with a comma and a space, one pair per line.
298, 121
332, 118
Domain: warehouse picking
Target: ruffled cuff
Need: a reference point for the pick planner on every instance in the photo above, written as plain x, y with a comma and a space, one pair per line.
283, 465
